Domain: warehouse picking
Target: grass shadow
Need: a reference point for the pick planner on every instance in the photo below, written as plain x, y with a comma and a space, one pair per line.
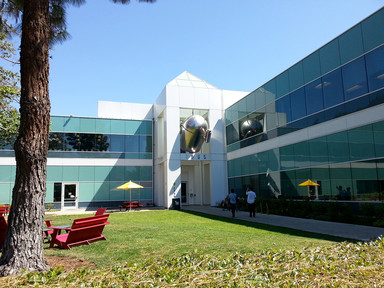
271, 228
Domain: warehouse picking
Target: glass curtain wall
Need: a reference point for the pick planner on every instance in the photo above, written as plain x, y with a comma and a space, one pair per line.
352, 159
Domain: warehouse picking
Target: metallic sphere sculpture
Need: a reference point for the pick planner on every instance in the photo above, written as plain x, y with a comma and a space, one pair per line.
250, 128
194, 131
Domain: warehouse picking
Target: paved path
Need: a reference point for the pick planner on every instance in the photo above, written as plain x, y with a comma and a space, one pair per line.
349, 231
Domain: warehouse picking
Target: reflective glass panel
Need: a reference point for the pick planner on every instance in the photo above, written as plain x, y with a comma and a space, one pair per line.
301, 154
318, 151
145, 143
378, 135
311, 67
132, 143
373, 36
361, 143
329, 56
282, 84
270, 89
72, 142
296, 76
56, 141
338, 148
87, 142
283, 109
287, 157
351, 44
117, 143
102, 142
333, 88
355, 79
314, 96
375, 68
298, 104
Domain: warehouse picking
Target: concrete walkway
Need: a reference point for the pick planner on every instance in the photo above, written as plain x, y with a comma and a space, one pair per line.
349, 231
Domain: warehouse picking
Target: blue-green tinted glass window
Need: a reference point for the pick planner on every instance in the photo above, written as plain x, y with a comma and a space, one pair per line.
375, 69
333, 88
318, 151
251, 102
132, 143
57, 124
103, 126
361, 143
338, 148
132, 127
355, 79
329, 56
102, 142
262, 164
117, 143
146, 128
314, 97
242, 105
117, 126
246, 165
282, 84
5, 173
270, 87
71, 124
283, 106
311, 67
301, 151
351, 44
378, 135
373, 30
87, 125
87, 142
72, 142
145, 143
287, 157
273, 159
117, 173
261, 96
132, 173
298, 104
56, 141
296, 76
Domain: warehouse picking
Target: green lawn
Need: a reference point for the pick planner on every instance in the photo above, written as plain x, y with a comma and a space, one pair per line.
139, 236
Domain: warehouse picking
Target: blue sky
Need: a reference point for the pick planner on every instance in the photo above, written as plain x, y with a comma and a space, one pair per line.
128, 53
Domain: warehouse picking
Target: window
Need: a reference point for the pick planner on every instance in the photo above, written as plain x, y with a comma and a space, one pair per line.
355, 79
298, 104
314, 97
333, 88
375, 69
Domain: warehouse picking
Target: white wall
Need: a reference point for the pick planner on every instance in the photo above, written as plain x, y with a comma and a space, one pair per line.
122, 110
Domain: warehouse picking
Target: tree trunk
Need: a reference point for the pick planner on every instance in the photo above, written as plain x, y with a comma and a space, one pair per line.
23, 245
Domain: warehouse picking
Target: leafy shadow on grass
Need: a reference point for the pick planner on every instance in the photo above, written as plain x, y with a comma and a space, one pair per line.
271, 228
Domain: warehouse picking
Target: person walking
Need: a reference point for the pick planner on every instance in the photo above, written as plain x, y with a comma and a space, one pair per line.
232, 201
251, 197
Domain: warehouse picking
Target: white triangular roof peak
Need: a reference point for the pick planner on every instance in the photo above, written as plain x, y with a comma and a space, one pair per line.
186, 79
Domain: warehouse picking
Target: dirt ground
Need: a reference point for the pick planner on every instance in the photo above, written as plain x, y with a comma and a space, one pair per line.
68, 263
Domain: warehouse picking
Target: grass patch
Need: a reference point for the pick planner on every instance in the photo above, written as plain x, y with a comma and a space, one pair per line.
138, 236
190, 249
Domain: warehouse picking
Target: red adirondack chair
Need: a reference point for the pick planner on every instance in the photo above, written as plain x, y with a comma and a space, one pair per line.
83, 231
100, 211
3, 229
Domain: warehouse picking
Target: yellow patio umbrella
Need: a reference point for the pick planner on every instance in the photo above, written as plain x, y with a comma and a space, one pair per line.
309, 183
129, 185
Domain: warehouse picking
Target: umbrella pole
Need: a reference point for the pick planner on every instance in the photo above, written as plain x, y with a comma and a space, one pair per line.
130, 200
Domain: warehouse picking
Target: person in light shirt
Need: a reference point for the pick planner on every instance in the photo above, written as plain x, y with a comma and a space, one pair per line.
251, 197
